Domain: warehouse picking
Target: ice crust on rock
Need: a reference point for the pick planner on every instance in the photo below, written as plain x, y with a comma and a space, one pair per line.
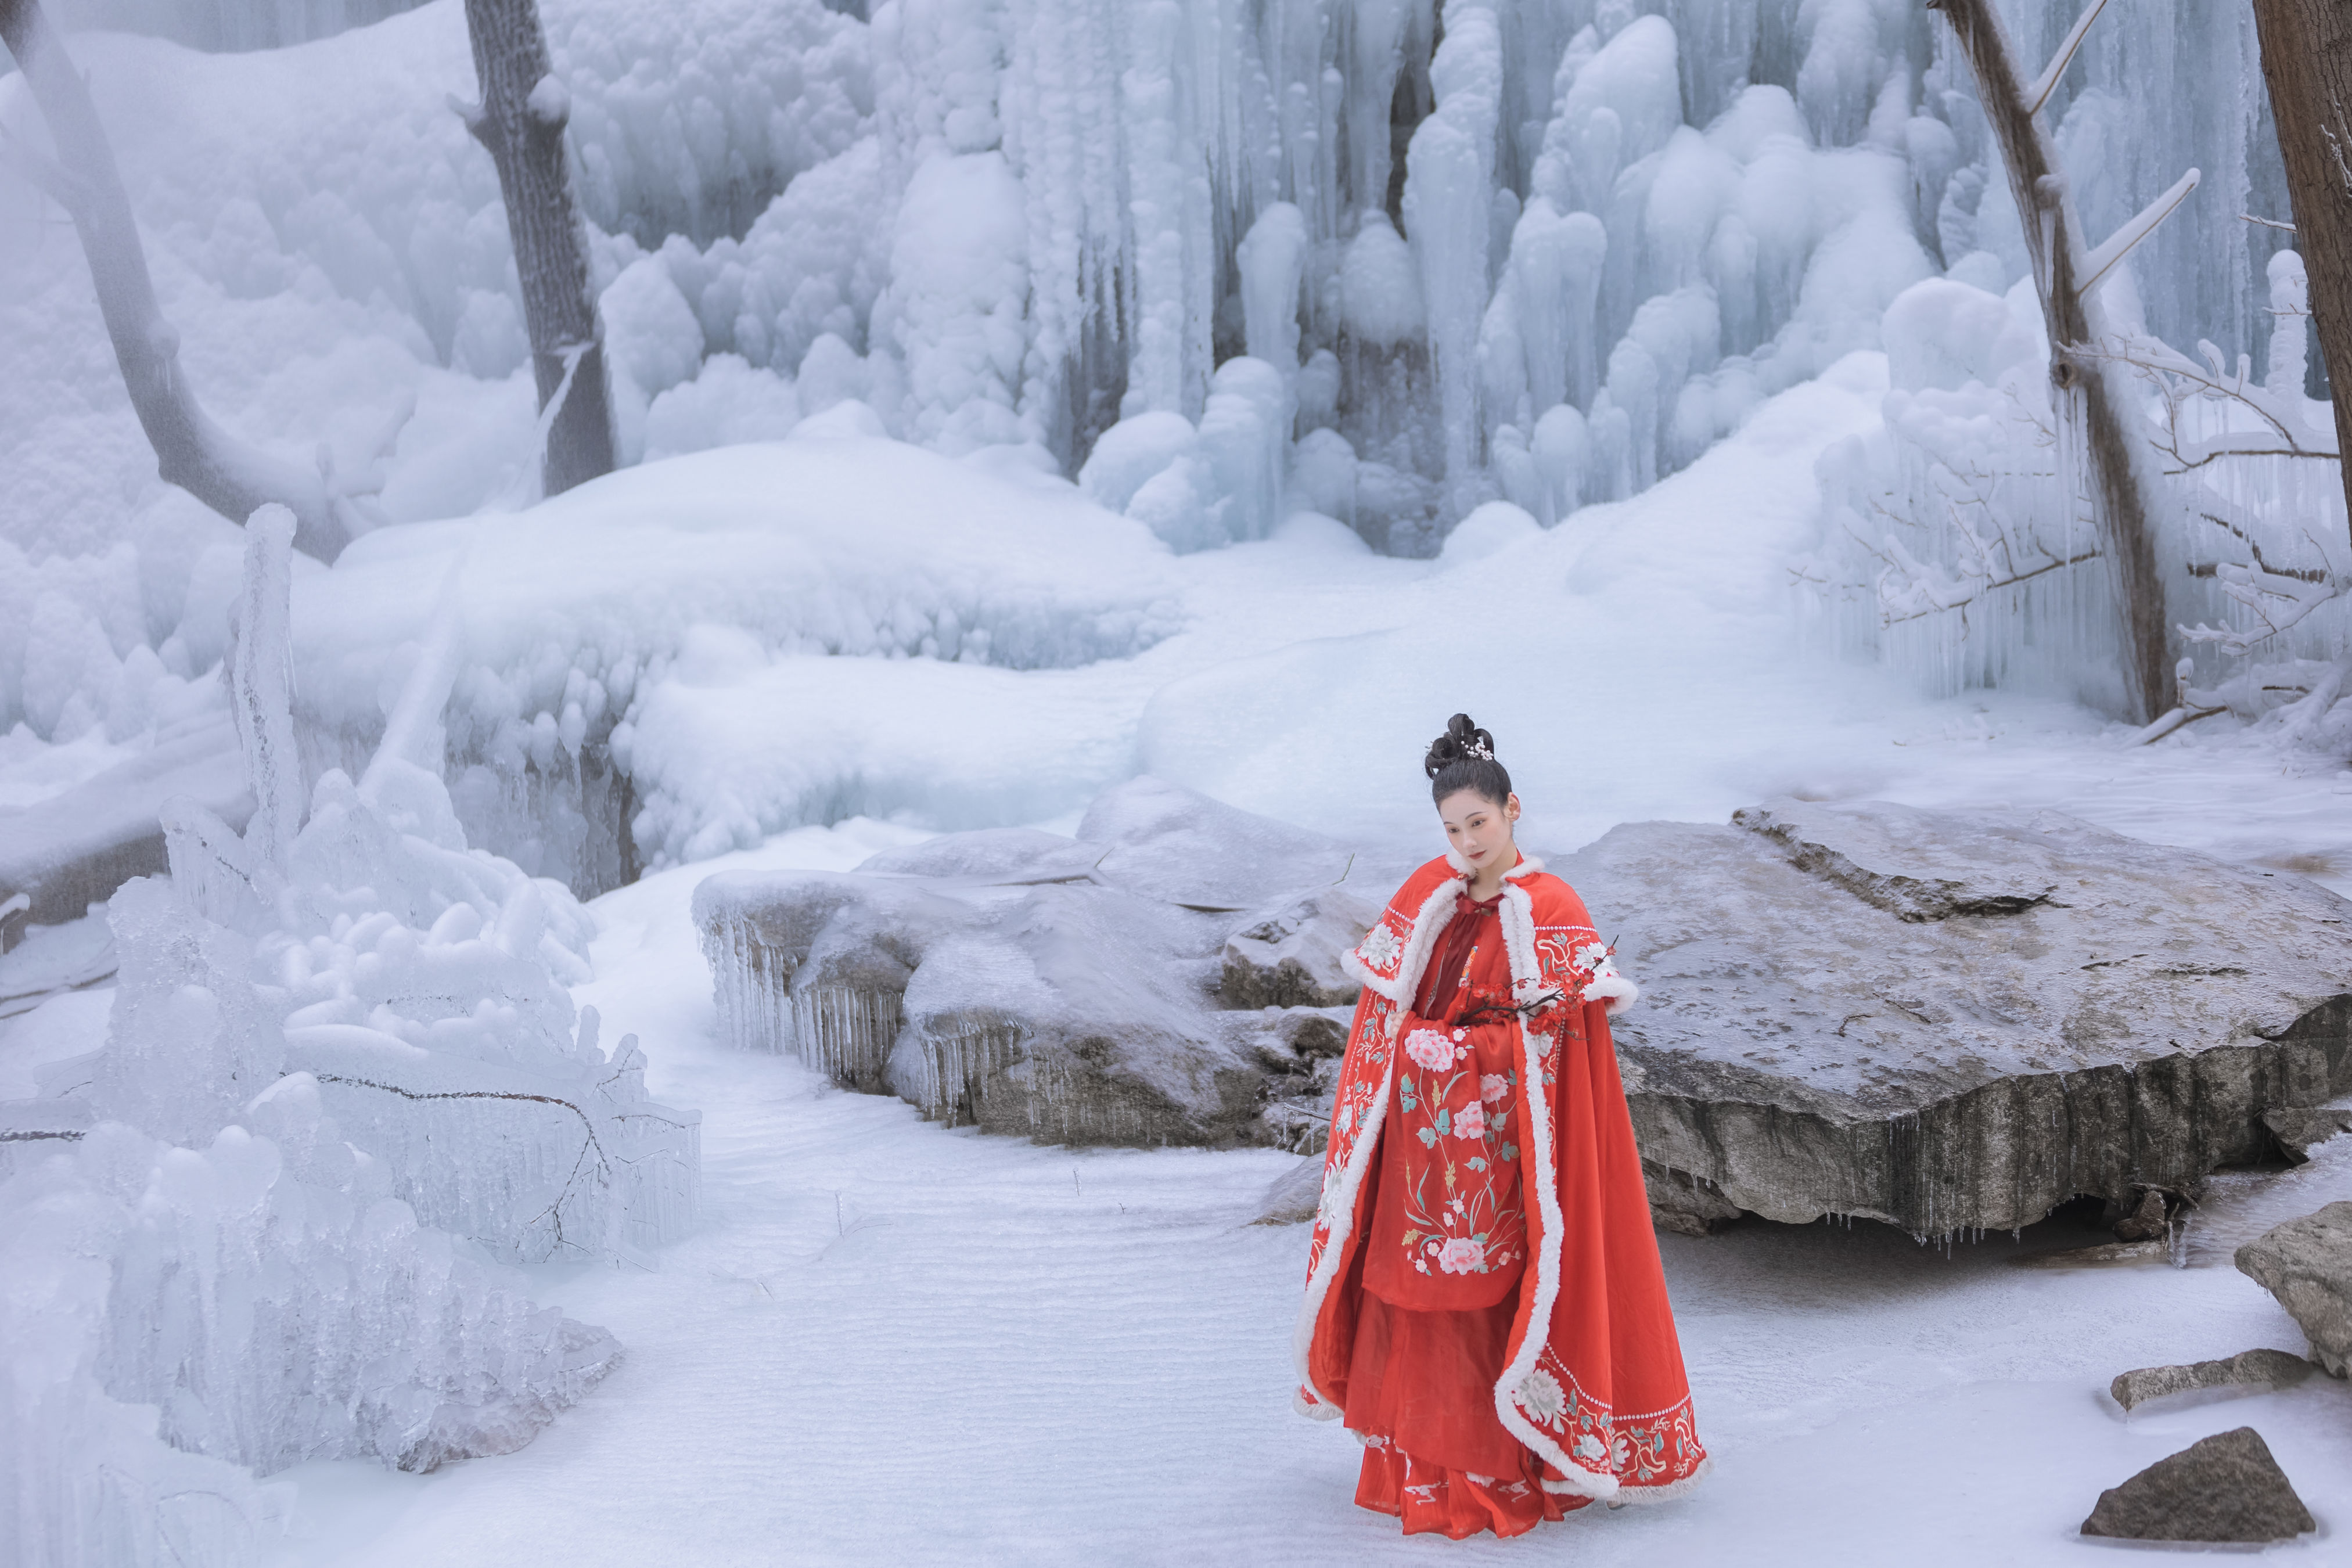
1063, 989
1834, 1021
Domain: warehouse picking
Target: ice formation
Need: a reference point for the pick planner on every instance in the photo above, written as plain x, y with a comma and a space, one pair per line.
1392, 262
343, 1078
1960, 542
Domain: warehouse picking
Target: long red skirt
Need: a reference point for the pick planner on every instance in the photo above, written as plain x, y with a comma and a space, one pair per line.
1421, 1396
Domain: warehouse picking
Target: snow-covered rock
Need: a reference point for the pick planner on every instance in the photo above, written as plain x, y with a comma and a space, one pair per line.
1952, 1020
1064, 989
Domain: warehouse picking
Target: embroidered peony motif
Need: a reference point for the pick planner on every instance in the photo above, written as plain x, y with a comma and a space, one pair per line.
1462, 1254
1380, 946
1591, 1448
1540, 1395
1430, 1050
1493, 1087
1470, 1121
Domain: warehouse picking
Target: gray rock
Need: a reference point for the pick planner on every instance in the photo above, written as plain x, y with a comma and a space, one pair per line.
1289, 957
1295, 1196
1943, 1020
2147, 1222
2253, 1368
2225, 1488
2307, 1264
1061, 989
2300, 1128
1952, 1020
1684, 1204
460, 1430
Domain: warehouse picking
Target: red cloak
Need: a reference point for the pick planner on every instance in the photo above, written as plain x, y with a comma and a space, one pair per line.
1591, 1382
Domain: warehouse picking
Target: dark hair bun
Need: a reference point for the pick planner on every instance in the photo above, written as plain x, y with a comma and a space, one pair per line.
1464, 758
1463, 741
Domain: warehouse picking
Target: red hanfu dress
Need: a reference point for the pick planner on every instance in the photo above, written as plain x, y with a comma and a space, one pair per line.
1484, 1304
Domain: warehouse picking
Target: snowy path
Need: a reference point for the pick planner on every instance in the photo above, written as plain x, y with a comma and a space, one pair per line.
894, 1343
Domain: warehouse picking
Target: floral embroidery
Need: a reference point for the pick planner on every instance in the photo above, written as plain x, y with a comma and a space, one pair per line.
1462, 1254
1540, 1395
1379, 948
1430, 1050
1589, 1448
1463, 1210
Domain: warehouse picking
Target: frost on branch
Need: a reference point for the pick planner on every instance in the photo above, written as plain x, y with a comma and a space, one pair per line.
1955, 540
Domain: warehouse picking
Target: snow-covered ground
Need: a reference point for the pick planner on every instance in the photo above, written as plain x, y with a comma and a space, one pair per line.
894, 1343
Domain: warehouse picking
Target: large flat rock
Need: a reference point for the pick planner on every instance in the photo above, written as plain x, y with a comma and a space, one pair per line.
1956, 1020
1943, 1020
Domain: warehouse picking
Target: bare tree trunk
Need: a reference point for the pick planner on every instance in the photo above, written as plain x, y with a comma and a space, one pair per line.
2054, 240
521, 122
191, 451
2307, 61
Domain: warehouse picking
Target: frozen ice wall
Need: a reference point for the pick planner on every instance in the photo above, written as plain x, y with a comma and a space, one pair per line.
1541, 251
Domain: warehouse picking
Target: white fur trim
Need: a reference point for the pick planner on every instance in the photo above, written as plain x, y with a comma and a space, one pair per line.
1528, 867
1672, 1491
1339, 1204
1519, 923
1616, 990
1435, 910
1315, 1410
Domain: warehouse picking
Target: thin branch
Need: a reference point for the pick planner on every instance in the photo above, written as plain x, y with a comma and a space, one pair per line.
2046, 83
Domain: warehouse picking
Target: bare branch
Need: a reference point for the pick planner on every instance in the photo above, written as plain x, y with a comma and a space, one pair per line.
191, 451
2045, 84
2119, 245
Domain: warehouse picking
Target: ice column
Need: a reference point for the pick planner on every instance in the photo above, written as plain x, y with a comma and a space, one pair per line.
1449, 174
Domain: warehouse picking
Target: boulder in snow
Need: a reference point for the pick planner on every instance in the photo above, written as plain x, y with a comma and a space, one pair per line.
2225, 1488
2307, 1264
2247, 1369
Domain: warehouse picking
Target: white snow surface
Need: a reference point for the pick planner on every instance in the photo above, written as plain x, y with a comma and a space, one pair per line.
894, 1343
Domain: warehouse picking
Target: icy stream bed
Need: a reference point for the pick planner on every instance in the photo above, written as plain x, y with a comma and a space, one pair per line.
894, 1343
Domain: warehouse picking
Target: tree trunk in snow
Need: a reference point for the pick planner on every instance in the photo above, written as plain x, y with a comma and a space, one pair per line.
521, 122
2055, 241
191, 451
2307, 61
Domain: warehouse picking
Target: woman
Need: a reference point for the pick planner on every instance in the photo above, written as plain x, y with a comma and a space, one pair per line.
1483, 1301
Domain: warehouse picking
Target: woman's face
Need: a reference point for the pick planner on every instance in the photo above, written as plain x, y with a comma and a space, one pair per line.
1479, 829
